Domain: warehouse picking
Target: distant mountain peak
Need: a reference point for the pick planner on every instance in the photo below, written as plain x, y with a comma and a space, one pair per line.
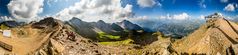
47, 22
125, 24
75, 18
126, 21
116, 27
10, 23
101, 21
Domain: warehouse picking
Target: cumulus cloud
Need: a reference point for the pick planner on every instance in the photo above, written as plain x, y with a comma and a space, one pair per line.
181, 16
230, 7
137, 18
143, 17
146, 3
93, 10
25, 8
168, 16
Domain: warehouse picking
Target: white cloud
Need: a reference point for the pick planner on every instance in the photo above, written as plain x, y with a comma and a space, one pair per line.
48, 2
230, 7
25, 8
146, 3
139, 18
224, 1
202, 4
162, 17
93, 10
168, 16
229, 17
181, 16
143, 17
159, 4
5, 18
236, 5
201, 17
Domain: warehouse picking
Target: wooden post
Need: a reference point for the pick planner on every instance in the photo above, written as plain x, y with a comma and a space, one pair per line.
5, 46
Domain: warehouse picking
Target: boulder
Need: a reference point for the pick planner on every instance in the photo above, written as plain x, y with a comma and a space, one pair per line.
57, 46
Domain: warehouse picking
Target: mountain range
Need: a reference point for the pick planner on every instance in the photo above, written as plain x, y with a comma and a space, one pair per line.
171, 27
93, 29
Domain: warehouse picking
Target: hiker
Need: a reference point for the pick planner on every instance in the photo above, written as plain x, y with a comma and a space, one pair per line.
71, 36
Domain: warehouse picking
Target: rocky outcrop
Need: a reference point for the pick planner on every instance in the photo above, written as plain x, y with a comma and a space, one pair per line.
52, 48
116, 27
58, 47
83, 28
127, 25
106, 27
48, 22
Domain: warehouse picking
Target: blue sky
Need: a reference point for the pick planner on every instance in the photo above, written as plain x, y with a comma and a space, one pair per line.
148, 8
52, 7
3, 8
189, 6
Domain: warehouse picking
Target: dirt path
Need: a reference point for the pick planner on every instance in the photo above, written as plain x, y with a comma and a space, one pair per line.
30, 42
228, 29
22, 46
229, 38
231, 26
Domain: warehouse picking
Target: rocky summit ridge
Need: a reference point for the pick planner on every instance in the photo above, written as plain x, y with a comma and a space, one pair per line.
217, 36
